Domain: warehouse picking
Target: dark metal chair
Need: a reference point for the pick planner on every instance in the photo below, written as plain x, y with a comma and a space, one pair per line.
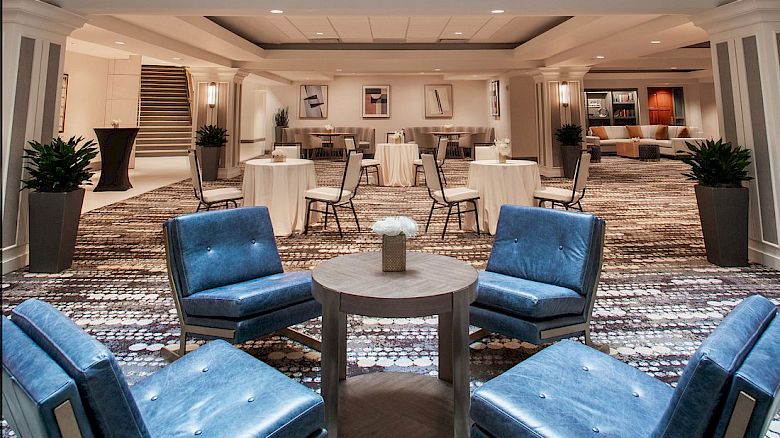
336, 197
567, 198
447, 197
441, 155
211, 197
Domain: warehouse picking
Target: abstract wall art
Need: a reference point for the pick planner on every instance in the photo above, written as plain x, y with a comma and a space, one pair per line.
495, 107
314, 102
438, 101
376, 101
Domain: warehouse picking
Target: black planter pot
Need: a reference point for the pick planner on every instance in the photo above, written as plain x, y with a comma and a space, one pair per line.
569, 156
209, 162
54, 223
724, 223
279, 133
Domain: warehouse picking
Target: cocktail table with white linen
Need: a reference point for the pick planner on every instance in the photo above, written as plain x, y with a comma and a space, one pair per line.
280, 186
397, 163
512, 182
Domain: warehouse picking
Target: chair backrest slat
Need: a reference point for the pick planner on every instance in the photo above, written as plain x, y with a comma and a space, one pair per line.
441, 150
197, 181
581, 177
431, 170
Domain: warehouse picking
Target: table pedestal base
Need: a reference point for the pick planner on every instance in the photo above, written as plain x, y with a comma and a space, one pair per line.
395, 405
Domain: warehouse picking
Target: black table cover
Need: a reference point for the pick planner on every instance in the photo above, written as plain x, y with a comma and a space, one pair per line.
116, 145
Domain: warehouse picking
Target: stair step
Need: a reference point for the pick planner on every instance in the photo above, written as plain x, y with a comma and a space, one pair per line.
154, 154
164, 147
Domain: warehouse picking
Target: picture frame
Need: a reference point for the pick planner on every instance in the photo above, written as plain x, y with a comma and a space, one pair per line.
376, 101
313, 102
438, 101
63, 102
495, 102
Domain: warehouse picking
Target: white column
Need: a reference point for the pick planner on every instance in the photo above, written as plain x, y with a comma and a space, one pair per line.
745, 41
553, 111
33, 57
226, 113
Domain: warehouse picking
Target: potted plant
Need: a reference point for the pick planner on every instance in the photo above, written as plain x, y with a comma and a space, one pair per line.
719, 168
570, 137
211, 138
56, 172
281, 119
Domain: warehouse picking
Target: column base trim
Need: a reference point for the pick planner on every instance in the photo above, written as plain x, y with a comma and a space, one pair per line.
15, 258
765, 254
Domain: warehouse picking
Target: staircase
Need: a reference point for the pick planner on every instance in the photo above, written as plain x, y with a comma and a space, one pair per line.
165, 122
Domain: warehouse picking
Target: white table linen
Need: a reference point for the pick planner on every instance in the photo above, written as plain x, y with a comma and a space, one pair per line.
281, 188
512, 182
396, 163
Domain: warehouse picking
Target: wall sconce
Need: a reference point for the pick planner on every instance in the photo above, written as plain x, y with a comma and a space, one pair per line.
212, 95
564, 90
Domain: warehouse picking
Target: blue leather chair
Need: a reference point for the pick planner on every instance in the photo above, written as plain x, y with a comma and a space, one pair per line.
730, 387
60, 382
228, 281
541, 276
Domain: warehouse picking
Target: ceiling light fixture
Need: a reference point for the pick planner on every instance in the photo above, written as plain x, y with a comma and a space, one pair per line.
176, 59
436, 69
458, 33
121, 43
600, 56
320, 33
276, 11
338, 69
497, 11
655, 42
673, 68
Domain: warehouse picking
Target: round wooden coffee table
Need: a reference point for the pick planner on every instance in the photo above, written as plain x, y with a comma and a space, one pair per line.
431, 285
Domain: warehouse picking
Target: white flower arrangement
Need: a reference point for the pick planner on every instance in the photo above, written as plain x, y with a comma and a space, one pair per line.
397, 135
449, 126
501, 145
279, 155
395, 226
329, 127
115, 123
635, 139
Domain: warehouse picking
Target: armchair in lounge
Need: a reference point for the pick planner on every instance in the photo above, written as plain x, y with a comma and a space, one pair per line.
60, 382
541, 276
228, 281
730, 388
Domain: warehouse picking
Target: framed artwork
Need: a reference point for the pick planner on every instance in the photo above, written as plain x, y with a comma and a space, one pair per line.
438, 101
376, 101
63, 101
495, 107
314, 102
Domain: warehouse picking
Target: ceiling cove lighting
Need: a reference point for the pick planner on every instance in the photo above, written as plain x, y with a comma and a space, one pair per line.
276, 11
497, 11
212, 95
564, 91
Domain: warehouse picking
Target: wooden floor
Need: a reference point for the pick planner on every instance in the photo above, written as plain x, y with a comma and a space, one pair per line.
395, 405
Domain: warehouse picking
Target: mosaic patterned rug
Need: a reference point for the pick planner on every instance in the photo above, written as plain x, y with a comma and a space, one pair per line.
657, 300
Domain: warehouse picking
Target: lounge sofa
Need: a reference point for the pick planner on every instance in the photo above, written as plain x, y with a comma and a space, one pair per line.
308, 141
674, 145
423, 137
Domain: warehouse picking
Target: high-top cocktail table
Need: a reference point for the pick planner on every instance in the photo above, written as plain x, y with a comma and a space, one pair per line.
382, 404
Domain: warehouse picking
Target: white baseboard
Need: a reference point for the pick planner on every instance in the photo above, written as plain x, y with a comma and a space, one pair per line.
15, 257
767, 255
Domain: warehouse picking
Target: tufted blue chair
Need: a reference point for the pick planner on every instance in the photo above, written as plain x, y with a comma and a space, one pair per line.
60, 382
228, 280
541, 276
730, 387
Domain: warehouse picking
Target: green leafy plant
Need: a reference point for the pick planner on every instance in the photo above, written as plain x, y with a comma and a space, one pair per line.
211, 136
717, 163
569, 135
281, 117
59, 166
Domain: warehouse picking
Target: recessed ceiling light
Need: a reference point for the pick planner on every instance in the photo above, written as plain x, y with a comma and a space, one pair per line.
497, 11
458, 33
121, 43
655, 42
436, 69
600, 56
176, 59
673, 68
473, 76
320, 33
276, 11
338, 69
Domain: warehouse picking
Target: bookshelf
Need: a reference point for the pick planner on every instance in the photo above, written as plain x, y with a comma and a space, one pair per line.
612, 107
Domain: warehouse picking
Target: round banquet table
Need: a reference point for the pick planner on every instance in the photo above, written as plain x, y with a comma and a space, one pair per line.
397, 163
431, 285
513, 182
280, 187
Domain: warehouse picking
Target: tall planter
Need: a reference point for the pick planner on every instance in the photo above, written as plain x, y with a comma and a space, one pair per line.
569, 156
54, 223
724, 223
209, 162
279, 134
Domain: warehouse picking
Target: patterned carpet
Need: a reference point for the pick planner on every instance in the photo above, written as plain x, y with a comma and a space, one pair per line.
657, 300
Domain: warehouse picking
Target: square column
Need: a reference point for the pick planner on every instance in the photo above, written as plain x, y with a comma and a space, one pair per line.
559, 101
33, 57
745, 44
226, 112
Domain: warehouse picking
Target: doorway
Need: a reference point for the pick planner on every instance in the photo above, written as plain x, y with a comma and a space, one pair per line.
666, 106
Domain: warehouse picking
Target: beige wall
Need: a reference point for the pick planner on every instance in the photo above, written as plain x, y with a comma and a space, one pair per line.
525, 141
86, 102
693, 89
406, 103
709, 110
